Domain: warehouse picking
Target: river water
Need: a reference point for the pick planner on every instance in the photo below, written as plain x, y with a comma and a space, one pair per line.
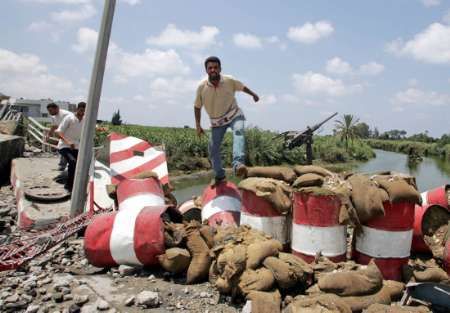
430, 173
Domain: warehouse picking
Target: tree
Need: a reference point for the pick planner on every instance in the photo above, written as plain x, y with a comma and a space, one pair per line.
362, 130
116, 119
346, 129
376, 133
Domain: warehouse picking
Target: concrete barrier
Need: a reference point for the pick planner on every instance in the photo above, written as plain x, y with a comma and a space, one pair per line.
10, 147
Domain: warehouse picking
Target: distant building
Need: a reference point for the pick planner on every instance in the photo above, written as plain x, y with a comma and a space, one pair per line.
37, 109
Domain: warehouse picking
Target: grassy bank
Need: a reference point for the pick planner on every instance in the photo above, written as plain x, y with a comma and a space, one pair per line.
405, 146
187, 152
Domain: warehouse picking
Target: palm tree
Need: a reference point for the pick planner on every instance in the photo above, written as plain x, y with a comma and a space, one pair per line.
345, 128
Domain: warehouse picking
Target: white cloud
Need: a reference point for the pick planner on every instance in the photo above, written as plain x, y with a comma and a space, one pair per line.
268, 99
71, 16
173, 90
86, 40
414, 95
372, 68
24, 75
247, 41
131, 2
446, 17
41, 26
310, 33
318, 84
338, 66
431, 45
171, 36
138, 98
430, 3
59, 1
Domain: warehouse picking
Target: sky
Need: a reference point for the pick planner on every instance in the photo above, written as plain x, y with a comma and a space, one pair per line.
387, 62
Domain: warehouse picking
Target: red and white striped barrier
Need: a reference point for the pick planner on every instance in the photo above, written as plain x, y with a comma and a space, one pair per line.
436, 196
133, 236
190, 211
259, 214
418, 244
387, 239
139, 193
130, 156
221, 204
315, 227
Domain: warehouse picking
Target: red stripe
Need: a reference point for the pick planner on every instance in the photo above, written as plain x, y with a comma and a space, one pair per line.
315, 210
116, 136
132, 187
257, 206
126, 154
223, 189
391, 268
97, 238
225, 219
149, 166
149, 235
398, 216
438, 196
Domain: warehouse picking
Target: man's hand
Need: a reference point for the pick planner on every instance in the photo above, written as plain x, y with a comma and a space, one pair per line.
200, 131
255, 98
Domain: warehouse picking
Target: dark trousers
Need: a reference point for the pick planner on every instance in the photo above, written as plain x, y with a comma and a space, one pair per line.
71, 156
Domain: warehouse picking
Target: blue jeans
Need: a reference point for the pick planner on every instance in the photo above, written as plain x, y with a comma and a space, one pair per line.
215, 142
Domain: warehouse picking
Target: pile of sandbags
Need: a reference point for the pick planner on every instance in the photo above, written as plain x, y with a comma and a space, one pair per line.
421, 271
283, 173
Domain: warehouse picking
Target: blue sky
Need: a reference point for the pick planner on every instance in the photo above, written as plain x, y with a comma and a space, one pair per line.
387, 62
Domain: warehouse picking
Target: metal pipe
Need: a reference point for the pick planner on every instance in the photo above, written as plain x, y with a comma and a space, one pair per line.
87, 133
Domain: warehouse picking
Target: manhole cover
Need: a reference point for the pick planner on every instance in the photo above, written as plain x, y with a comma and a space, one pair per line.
46, 193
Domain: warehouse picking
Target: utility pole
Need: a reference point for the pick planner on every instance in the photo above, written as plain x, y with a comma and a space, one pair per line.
90, 118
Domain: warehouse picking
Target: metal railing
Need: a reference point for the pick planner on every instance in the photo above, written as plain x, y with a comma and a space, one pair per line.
12, 115
38, 132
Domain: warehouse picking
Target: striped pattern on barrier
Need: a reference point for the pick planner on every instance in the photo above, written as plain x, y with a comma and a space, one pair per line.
221, 204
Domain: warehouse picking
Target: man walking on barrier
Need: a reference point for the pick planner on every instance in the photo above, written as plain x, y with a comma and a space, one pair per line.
69, 132
217, 95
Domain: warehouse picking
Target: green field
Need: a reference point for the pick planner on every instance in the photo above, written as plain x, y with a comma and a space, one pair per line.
186, 152
404, 146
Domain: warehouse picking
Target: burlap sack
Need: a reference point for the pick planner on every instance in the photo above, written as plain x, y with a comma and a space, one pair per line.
434, 274
398, 189
257, 252
146, 174
276, 192
265, 302
223, 286
306, 169
352, 283
297, 265
224, 234
318, 304
175, 260
395, 289
308, 180
208, 233
357, 304
287, 271
383, 308
201, 260
231, 261
256, 280
366, 197
174, 235
213, 274
276, 172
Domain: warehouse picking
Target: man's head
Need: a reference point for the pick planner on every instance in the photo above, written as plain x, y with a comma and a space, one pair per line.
213, 68
52, 108
81, 107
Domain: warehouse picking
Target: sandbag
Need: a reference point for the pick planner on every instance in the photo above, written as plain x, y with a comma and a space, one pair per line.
201, 260
288, 272
320, 303
382, 308
276, 172
257, 252
434, 274
352, 283
213, 274
395, 289
308, 180
174, 234
175, 260
208, 233
357, 304
435, 228
306, 169
366, 197
146, 174
276, 192
232, 261
265, 302
398, 189
256, 280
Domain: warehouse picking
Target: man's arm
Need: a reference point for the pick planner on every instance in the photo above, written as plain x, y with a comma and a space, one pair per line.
67, 141
198, 116
60, 132
50, 132
251, 93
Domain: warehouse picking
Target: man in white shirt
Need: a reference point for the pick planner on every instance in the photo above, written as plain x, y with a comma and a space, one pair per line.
69, 132
57, 114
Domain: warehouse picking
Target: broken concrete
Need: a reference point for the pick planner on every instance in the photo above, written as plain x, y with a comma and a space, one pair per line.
10, 147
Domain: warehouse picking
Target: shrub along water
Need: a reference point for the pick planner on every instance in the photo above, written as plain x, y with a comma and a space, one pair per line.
186, 151
405, 146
